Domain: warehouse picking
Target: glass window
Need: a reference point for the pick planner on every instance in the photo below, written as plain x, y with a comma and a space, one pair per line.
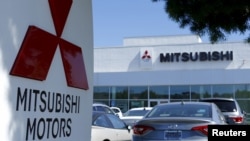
224, 105
138, 103
200, 91
195, 92
101, 92
245, 106
223, 91
139, 92
116, 122
188, 110
158, 92
242, 94
106, 102
242, 91
122, 104
179, 92
102, 121
179, 100
119, 92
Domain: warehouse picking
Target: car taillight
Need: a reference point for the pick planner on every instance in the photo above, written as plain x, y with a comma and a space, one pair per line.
202, 129
141, 129
237, 119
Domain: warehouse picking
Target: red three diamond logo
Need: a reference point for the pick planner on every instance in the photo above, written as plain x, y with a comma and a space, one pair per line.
38, 48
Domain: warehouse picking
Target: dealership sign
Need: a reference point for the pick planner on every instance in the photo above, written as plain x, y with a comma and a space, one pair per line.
46, 67
196, 56
146, 56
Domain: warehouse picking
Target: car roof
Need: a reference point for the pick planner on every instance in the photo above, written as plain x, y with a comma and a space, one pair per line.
114, 107
141, 108
100, 104
186, 102
217, 98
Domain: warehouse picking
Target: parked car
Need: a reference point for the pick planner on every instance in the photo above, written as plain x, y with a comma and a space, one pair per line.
230, 108
186, 121
118, 111
103, 107
109, 127
134, 114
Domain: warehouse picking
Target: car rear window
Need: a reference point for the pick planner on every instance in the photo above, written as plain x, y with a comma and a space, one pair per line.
181, 111
225, 106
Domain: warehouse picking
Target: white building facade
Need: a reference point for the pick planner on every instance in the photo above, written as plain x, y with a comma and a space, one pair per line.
151, 70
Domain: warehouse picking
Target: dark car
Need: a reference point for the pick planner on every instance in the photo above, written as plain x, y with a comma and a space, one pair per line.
185, 121
230, 108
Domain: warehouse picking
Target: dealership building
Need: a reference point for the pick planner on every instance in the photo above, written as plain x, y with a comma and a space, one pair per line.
146, 71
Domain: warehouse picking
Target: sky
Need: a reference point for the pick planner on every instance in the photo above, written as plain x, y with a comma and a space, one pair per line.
114, 20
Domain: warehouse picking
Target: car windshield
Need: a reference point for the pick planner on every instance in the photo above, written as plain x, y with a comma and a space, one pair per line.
181, 111
136, 113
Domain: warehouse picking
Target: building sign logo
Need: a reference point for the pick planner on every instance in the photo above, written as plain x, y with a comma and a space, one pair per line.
38, 49
146, 56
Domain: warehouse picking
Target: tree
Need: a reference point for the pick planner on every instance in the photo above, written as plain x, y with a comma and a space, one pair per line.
216, 18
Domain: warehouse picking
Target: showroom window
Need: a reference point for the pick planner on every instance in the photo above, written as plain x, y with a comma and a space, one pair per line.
119, 92
242, 94
242, 91
138, 103
158, 92
101, 95
179, 93
138, 96
226, 91
126, 97
138, 92
200, 91
101, 92
119, 97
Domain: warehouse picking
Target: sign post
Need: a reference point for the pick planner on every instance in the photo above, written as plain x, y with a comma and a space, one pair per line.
46, 70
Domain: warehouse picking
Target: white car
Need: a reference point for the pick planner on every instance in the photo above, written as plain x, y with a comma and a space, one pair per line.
135, 114
118, 111
109, 127
103, 108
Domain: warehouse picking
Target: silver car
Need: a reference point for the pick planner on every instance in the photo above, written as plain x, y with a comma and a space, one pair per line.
230, 108
186, 121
